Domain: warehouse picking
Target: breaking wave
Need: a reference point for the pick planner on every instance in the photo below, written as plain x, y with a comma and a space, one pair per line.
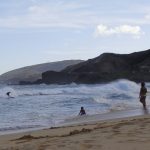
48, 105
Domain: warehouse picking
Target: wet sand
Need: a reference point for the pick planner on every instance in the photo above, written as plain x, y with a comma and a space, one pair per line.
104, 133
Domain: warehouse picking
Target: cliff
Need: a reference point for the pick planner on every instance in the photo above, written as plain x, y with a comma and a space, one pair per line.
104, 68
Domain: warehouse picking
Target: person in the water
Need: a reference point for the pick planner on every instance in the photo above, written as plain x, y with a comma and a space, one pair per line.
142, 94
8, 94
82, 111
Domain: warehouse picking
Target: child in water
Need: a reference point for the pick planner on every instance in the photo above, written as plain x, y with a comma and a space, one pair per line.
82, 111
8, 94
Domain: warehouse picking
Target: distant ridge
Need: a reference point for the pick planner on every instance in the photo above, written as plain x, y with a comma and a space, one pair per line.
34, 72
104, 68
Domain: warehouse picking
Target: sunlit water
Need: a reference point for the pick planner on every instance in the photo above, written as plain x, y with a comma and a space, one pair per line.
47, 105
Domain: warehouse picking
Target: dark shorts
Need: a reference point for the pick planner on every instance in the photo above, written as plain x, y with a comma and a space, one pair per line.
142, 99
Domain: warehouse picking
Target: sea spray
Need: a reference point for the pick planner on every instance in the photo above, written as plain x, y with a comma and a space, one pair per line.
48, 105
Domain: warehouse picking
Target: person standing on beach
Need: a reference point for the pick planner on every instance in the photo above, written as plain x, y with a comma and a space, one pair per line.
142, 94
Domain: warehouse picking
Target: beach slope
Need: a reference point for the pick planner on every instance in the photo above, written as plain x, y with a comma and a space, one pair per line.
131, 133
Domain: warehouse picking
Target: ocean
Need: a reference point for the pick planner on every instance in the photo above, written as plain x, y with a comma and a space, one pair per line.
42, 106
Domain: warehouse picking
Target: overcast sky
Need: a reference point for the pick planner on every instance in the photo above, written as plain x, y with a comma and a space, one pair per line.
39, 31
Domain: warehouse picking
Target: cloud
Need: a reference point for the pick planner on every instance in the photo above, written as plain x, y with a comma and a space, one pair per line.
37, 10
103, 30
68, 14
147, 17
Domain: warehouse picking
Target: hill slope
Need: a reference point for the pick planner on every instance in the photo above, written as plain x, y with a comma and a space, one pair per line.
33, 73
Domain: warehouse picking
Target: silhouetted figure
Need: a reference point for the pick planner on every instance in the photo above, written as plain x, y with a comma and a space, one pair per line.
82, 111
142, 94
8, 94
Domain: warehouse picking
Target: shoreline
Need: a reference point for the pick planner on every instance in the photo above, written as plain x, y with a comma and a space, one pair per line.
87, 119
120, 114
114, 133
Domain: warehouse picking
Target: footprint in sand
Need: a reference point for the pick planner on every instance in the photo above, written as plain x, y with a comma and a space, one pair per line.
85, 146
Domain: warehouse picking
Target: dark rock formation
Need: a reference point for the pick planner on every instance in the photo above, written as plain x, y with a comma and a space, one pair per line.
104, 68
51, 77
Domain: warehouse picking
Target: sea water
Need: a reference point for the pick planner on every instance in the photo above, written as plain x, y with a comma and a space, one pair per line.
41, 106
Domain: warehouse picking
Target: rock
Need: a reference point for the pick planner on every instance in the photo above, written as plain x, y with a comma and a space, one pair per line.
104, 68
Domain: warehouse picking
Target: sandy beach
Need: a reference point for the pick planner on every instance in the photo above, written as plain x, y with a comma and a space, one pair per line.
129, 133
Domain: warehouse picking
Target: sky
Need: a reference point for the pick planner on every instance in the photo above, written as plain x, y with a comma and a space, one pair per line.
40, 31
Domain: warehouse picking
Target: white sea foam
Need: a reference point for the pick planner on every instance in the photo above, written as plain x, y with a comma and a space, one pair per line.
48, 105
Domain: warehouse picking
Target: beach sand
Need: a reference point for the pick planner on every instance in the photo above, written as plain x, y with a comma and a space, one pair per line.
130, 133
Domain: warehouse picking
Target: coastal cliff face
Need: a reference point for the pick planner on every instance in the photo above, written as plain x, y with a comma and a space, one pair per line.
104, 68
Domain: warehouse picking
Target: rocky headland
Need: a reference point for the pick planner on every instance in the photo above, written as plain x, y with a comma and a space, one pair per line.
104, 68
